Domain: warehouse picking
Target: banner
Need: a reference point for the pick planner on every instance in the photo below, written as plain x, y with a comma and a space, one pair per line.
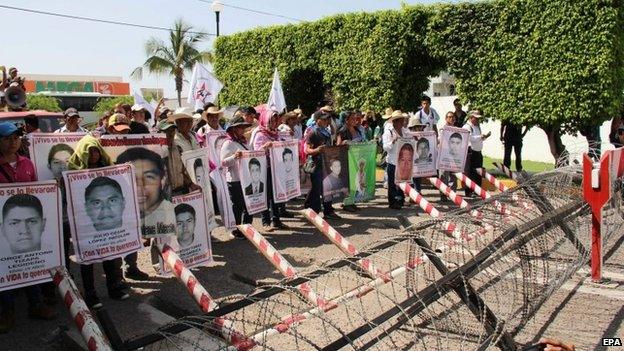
405, 160
214, 141
285, 170
51, 151
197, 166
362, 169
335, 173
32, 233
192, 240
453, 149
425, 160
148, 153
103, 212
252, 174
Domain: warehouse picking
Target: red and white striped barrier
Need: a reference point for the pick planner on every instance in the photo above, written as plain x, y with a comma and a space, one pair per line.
482, 193
449, 227
202, 297
501, 167
343, 244
90, 331
280, 263
502, 187
455, 197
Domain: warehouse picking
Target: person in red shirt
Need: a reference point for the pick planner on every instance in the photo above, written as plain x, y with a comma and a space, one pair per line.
16, 169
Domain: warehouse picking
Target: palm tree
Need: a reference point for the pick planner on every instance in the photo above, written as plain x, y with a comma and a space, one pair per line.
181, 54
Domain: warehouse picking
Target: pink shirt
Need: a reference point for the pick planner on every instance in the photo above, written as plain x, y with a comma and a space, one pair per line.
24, 171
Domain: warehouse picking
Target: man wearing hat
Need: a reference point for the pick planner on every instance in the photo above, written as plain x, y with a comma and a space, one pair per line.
179, 179
212, 115
118, 124
231, 152
475, 157
72, 122
392, 132
185, 139
140, 116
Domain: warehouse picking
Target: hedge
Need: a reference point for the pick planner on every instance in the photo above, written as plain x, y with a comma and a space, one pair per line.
536, 62
363, 60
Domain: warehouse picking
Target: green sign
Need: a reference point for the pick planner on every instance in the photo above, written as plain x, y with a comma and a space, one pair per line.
85, 87
362, 170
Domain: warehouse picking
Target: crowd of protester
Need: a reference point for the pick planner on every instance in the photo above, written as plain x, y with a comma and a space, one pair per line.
246, 129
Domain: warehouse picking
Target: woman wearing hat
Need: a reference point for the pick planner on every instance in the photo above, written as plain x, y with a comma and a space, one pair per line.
394, 129
265, 135
231, 152
350, 133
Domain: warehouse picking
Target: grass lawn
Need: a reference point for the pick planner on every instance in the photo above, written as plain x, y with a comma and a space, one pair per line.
529, 166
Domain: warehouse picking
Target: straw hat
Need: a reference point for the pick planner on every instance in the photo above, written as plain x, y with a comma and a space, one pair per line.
387, 113
396, 114
214, 110
182, 113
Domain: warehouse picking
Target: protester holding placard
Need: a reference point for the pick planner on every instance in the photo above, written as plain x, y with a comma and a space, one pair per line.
447, 177
185, 138
394, 131
475, 157
290, 122
231, 153
89, 154
178, 177
263, 139
318, 137
351, 133
17, 169
211, 115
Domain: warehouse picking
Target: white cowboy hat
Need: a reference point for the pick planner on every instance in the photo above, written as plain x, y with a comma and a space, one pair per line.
182, 113
396, 114
387, 113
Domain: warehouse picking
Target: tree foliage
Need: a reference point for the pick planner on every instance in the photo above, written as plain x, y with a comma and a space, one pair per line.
42, 102
363, 60
535, 62
552, 63
107, 104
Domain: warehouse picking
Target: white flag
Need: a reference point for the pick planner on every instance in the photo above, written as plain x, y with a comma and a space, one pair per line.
276, 101
204, 87
140, 100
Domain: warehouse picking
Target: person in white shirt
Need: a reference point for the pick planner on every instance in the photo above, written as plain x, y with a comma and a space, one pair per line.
475, 157
427, 115
185, 138
72, 122
231, 152
393, 130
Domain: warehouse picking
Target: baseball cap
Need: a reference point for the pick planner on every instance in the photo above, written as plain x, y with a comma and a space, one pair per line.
71, 112
8, 128
137, 107
118, 122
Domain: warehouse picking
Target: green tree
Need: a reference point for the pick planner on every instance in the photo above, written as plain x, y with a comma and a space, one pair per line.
42, 102
175, 57
107, 104
556, 64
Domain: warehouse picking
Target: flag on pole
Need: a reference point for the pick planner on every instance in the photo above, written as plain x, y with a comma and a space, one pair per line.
204, 87
140, 100
276, 101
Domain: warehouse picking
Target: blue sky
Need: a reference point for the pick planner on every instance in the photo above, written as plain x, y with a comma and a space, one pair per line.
43, 44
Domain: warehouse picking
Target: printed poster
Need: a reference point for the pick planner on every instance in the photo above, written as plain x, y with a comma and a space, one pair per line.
362, 168
103, 212
426, 157
453, 149
31, 240
192, 240
285, 170
51, 151
405, 160
214, 141
148, 153
198, 168
335, 173
252, 173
